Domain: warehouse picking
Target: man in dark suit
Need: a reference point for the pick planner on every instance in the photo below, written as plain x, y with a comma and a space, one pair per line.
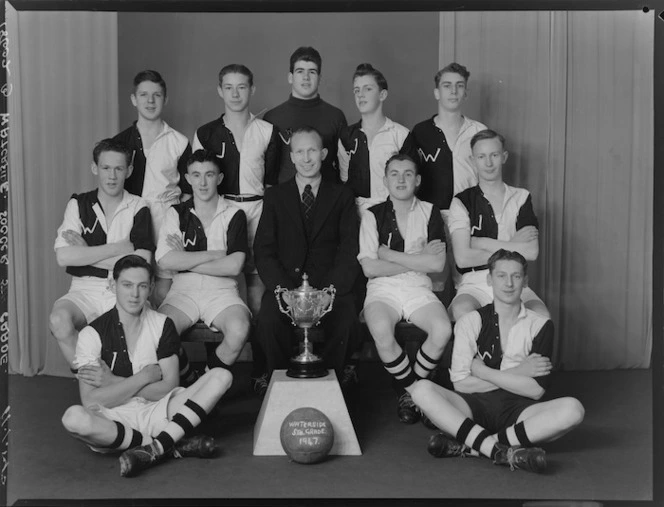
308, 226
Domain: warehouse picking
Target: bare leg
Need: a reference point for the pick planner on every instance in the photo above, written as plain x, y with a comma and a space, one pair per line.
65, 321
94, 429
550, 420
234, 323
461, 305
161, 288
432, 319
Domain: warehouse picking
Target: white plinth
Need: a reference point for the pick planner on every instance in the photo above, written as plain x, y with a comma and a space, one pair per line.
285, 394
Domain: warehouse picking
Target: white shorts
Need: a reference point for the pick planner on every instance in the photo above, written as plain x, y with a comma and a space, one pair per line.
144, 416
93, 296
474, 284
403, 298
157, 212
201, 302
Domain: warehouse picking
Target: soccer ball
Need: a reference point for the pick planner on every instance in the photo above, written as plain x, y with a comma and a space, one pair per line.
307, 435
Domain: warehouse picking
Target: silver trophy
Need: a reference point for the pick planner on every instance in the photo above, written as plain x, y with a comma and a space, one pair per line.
305, 306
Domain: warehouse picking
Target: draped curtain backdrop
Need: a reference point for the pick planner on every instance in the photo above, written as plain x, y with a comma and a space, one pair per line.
64, 76
572, 92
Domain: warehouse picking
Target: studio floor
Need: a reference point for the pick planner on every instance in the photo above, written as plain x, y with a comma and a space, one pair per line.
609, 457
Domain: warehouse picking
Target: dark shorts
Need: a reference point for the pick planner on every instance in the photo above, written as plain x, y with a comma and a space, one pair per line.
496, 410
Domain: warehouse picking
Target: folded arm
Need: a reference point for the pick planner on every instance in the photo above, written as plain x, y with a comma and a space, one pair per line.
170, 378
117, 392
525, 241
229, 265
508, 380
430, 260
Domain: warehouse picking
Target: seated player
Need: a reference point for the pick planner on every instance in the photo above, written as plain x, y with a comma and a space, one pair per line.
500, 367
365, 146
99, 227
486, 218
309, 225
401, 240
138, 408
204, 241
159, 155
247, 150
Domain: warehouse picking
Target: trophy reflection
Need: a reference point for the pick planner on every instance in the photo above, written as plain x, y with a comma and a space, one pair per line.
305, 306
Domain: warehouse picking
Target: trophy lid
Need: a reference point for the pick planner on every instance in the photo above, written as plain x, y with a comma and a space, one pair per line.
305, 287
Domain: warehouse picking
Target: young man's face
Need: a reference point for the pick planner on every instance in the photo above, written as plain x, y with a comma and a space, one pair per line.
307, 153
149, 100
451, 91
401, 179
489, 157
111, 171
368, 96
304, 80
132, 289
235, 91
204, 178
508, 281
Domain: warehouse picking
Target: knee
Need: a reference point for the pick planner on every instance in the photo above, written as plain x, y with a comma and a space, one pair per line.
238, 329
221, 378
572, 412
459, 308
440, 333
421, 391
60, 323
76, 420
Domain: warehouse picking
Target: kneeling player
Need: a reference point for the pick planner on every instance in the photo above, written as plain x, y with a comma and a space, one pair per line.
401, 240
204, 240
500, 368
137, 407
99, 227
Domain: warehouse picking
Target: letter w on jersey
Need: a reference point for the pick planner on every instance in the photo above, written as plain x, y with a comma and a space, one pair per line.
189, 242
90, 230
428, 158
476, 228
354, 150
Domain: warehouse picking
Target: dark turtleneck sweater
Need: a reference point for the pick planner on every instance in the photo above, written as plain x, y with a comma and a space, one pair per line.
317, 113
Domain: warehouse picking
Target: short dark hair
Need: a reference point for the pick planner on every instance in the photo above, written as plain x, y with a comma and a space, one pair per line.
306, 129
132, 261
457, 68
366, 69
507, 255
203, 156
404, 158
111, 145
306, 54
486, 134
236, 68
152, 76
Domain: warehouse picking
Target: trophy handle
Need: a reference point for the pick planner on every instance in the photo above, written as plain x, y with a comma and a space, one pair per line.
277, 293
331, 291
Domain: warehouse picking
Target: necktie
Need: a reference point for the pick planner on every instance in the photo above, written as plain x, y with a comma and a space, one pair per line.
308, 201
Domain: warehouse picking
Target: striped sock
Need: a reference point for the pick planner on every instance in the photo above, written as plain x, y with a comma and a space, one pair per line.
514, 435
401, 371
477, 438
187, 374
183, 422
424, 364
127, 438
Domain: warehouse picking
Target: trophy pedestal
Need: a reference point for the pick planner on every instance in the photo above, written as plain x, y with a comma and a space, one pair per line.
307, 365
285, 394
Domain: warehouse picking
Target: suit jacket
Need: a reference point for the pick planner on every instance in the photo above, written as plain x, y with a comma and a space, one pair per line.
328, 253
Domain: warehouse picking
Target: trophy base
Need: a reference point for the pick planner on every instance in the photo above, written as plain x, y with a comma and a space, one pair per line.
309, 369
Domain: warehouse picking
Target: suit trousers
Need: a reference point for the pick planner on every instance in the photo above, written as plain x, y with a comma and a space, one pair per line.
277, 334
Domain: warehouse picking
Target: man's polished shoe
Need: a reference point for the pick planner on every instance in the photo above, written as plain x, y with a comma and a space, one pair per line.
532, 459
442, 446
133, 461
197, 446
407, 410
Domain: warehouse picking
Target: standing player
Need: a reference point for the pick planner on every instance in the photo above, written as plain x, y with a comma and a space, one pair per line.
305, 108
138, 408
442, 142
99, 227
486, 218
247, 150
204, 240
500, 368
159, 156
401, 240
365, 146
